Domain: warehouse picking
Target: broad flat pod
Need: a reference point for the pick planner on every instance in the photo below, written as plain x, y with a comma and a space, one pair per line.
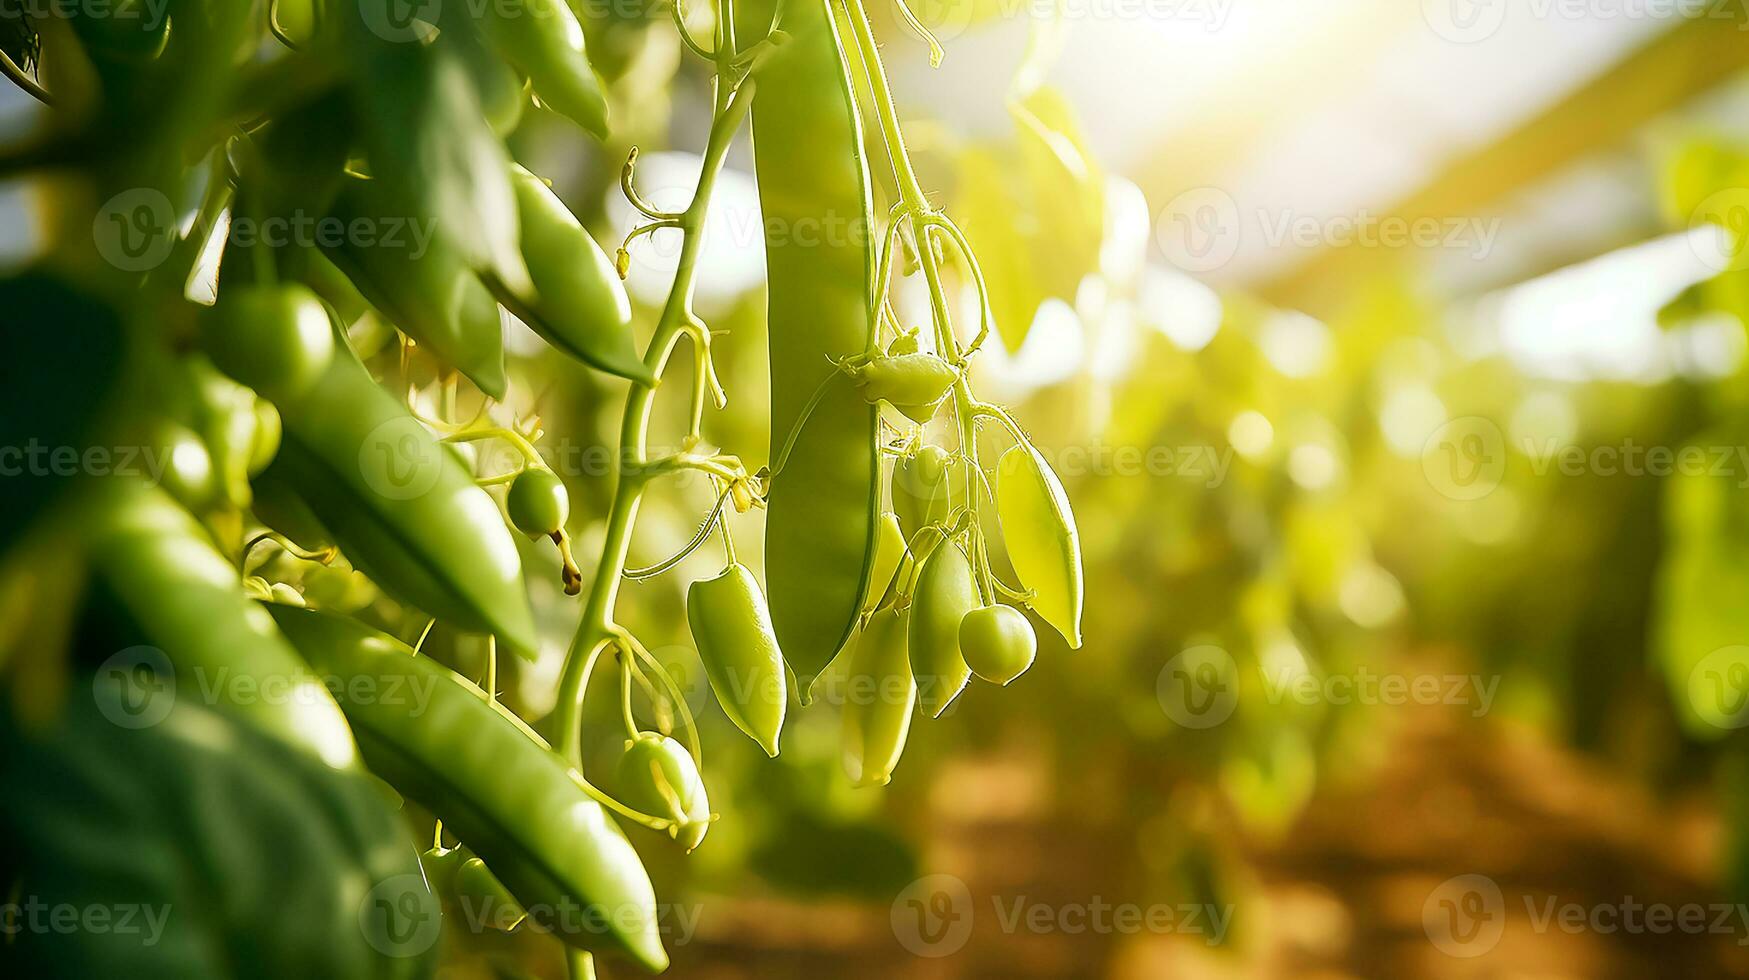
880, 695
812, 173
494, 782
998, 643
1038, 530
945, 593
179, 597
914, 383
578, 303
732, 629
422, 284
659, 777
890, 555
401, 506
543, 39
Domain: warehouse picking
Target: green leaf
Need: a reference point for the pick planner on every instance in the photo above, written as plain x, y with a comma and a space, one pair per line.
208, 849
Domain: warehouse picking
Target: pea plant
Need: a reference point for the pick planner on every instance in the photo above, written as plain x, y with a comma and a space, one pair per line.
315, 407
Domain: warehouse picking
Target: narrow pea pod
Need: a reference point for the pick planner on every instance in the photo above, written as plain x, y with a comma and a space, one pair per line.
494, 783
401, 506
1038, 529
457, 875
659, 777
421, 284
543, 39
578, 303
880, 694
920, 488
890, 555
732, 628
820, 529
168, 609
945, 592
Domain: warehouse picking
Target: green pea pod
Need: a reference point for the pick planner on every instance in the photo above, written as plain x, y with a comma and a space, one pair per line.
411, 274
913, 383
880, 694
1038, 529
279, 507
579, 304
493, 782
455, 873
401, 506
544, 41
732, 628
812, 173
169, 590
890, 555
920, 489
226, 418
659, 777
945, 592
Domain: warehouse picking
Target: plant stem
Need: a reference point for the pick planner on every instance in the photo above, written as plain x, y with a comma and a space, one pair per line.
917, 206
732, 104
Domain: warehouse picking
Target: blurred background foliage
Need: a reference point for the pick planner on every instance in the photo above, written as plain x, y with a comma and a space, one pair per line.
1274, 460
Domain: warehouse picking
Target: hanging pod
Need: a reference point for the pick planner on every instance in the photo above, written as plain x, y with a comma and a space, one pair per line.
420, 282
1038, 530
543, 39
812, 173
457, 875
732, 629
880, 694
659, 777
920, 488
890, 555
578, 303
944, 594
274, 339
537, 503
998, 643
